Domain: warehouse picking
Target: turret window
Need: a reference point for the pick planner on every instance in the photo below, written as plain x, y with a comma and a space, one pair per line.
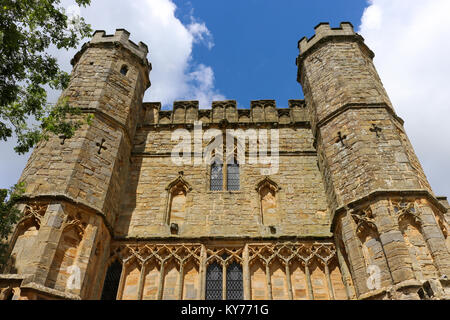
124, 70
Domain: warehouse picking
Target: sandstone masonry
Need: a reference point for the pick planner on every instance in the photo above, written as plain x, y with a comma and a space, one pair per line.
349, 214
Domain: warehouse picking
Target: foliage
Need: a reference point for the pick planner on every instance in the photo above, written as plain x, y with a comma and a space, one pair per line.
27, 29
9, 216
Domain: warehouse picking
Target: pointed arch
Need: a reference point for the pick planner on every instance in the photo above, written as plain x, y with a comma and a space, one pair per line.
410, 224
371, 248
24, 237
112, 281
64, 263
233, 175
268, 201
177, 192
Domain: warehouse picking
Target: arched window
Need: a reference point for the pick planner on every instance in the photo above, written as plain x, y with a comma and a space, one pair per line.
216, 181
214, 281
176, 209
112, 279
233, 175
234, 282
267, 190
235, 289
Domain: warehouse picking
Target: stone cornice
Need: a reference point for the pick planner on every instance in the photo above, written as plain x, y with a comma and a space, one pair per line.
212, 239
356, 106
353, 106
62, 197
49, 291
384, 194
230, 125
247, 154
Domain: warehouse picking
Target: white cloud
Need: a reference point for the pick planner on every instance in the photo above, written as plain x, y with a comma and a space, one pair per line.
201, 33
175, 75
410, 41
202, 80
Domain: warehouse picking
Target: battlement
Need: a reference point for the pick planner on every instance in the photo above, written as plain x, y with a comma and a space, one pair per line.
122, 36
260, 112
323, 30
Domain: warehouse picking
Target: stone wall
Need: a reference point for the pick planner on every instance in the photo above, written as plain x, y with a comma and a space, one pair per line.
349, 196
300, 200
385, 215
270, 270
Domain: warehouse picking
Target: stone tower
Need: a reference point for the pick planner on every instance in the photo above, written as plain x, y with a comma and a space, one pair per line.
73, 186
347, 214
384, 213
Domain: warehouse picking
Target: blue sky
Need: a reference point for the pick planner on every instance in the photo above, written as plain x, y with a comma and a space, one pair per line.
255, 42
245, 50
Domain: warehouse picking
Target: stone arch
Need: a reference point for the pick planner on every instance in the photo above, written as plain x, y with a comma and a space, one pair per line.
191, 276
151, 279
170, 279
278, 280
66, 255
444, 226
176, 208
7, 293
344, 265
258, 280
319, 281
267, 190
371, 247
410, 225
298, 280
112, 280
23, 238
336, 278
132, 274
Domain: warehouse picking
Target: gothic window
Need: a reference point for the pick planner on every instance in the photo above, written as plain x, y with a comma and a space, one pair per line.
66, 256
234, 282
267, 190
216, 177
422, 261
410, 225
112, 279
214, 282
176, 205
233, 176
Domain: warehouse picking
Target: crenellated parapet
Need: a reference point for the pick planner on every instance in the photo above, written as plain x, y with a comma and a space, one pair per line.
325, 34
119, 39
121, 36
324, 31
260, 112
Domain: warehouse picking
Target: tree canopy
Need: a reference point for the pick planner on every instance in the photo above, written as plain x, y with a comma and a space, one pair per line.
27, 29
9, 216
